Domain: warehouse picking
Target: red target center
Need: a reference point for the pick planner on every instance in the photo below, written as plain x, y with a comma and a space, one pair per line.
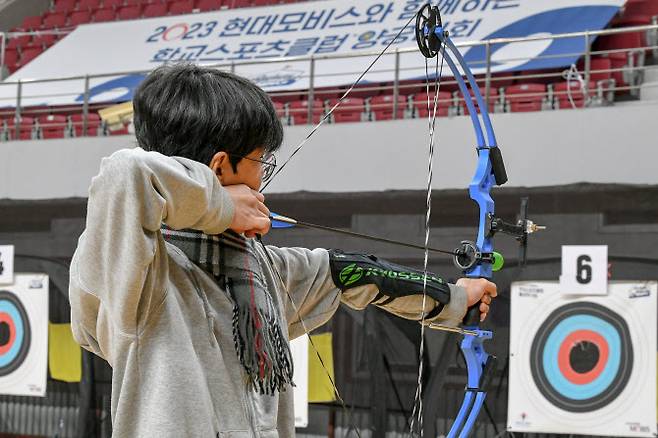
573, 341
6, 319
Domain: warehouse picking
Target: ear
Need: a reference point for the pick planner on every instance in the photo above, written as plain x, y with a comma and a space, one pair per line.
219, 163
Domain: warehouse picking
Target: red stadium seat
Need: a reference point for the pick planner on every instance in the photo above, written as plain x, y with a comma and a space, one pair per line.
525, 97
79, 17
264, 2
641, 7
18, 41
29, 54
93, 124
181, 7
88, 4
45, 40
209, 5
599, 68
116, 4
11, 59
350, 109
285, 97
298, 111
57, 19
365, 91
25, 127
129, 13
53, 126
562, 90
104, 14
407, 88
280, 109
33, 22
240, 3
493, 97
327, 93
382, 107
65, 5
155, 10
444, 103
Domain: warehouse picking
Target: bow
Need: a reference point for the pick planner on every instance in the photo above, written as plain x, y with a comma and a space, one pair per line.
476, 259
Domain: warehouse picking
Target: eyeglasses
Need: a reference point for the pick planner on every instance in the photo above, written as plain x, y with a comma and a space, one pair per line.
269, 163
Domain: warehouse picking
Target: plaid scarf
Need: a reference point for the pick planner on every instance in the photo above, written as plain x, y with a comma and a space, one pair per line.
259, 340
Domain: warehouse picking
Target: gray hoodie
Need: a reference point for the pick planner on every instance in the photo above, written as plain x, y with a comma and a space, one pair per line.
164, 325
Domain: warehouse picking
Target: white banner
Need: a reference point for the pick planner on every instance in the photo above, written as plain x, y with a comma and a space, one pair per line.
315, 28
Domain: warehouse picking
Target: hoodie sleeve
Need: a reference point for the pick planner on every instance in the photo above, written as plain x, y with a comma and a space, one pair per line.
118, 273
307, 280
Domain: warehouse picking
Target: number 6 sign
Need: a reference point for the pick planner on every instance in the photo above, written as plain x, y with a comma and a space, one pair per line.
584, 270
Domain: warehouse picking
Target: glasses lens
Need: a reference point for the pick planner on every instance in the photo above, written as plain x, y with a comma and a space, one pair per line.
269, 164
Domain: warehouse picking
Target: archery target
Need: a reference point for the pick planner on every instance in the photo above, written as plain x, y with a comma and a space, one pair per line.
24, 335
582, 363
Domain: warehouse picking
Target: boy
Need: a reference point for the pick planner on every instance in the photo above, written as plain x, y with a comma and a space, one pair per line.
169, 287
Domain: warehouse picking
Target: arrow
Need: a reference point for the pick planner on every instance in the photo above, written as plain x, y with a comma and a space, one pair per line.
282, 222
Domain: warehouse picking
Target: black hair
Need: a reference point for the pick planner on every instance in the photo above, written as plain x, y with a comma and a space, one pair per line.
194, 112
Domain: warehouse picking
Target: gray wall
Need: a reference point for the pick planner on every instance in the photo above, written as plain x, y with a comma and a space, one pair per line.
13, 12
599, 145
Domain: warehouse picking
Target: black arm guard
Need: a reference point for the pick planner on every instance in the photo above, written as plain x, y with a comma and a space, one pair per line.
349, 270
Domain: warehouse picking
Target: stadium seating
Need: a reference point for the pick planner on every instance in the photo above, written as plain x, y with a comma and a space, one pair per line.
131, 12
64, 6
181, 7
77, 18
53, 126
94, 124
562, 90
54, 20
88, 4
104, 14
526, 97
382, 107
298, 111
350, 110
26, 129
444, 104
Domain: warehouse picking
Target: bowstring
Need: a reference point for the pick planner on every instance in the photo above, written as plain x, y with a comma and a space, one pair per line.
336, 105
417, 413
266, 250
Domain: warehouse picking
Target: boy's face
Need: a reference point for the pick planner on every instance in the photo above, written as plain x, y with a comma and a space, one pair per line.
249, 170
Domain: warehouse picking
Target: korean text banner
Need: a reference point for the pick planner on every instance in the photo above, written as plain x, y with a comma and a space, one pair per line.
314, 28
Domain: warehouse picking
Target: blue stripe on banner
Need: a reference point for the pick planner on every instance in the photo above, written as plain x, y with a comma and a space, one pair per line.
560, 52
550, 357
11, 310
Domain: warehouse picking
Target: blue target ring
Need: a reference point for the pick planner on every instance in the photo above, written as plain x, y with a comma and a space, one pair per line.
554, 342
604, 376
18, 333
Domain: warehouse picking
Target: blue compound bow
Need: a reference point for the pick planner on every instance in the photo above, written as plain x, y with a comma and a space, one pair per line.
476, 259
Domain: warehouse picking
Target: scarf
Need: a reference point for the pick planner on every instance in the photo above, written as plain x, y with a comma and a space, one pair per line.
257, 335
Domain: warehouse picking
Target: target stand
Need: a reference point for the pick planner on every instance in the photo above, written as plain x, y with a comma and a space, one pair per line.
583, 365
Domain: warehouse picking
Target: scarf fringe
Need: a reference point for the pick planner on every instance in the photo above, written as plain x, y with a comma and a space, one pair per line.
268, 368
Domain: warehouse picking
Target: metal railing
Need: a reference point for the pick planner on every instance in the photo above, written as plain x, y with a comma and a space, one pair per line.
492, 83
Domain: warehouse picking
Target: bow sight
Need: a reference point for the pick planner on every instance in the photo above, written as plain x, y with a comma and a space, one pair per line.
467, 254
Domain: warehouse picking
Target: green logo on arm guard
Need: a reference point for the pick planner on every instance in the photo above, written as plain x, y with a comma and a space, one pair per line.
350, 274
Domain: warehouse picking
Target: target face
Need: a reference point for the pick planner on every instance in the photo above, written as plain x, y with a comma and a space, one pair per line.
582, 357
15, 333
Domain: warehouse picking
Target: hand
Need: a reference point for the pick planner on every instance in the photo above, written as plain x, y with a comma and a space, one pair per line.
250, 215
479, 290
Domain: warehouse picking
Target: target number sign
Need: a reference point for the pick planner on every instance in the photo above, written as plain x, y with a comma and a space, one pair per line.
6, 264
584, 270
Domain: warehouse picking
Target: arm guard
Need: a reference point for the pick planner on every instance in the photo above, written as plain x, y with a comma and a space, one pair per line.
350, 270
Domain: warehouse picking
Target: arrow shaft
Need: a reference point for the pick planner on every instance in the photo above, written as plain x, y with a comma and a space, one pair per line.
358, 235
